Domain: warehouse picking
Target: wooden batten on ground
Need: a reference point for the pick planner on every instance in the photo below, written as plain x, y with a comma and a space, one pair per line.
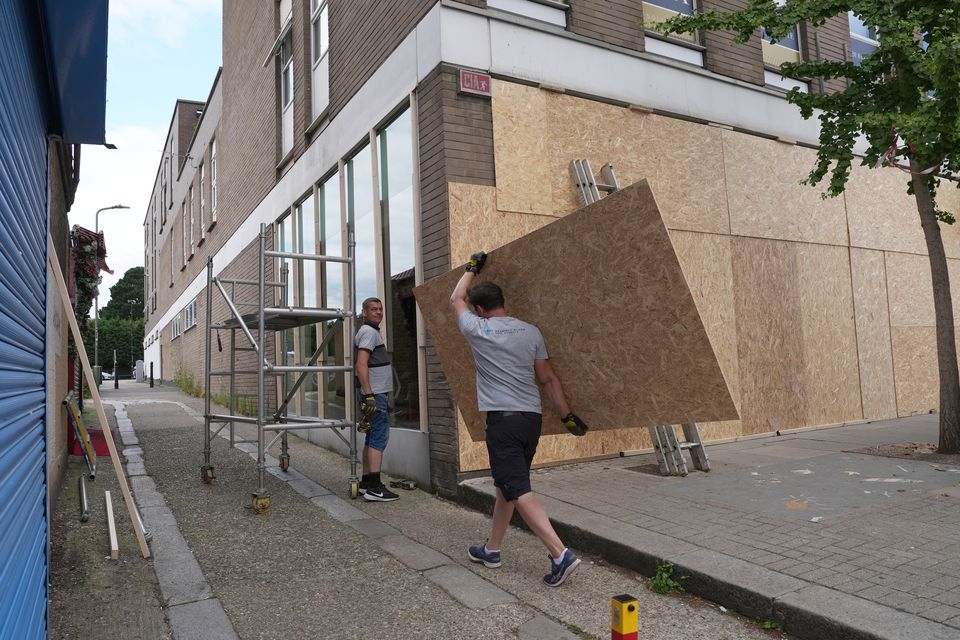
111, 527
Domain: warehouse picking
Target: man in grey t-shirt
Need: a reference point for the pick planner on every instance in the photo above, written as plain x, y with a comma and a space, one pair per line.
511, 361
375, 382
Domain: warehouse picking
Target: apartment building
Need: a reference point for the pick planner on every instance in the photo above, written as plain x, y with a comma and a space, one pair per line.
435, 128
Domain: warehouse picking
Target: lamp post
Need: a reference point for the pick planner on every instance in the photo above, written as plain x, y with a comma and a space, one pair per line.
96, 298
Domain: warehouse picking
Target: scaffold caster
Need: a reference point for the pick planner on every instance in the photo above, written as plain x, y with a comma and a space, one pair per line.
354, 489
284, 461
206, 474
261, 503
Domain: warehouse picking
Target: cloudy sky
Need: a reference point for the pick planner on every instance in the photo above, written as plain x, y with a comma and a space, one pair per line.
158, 51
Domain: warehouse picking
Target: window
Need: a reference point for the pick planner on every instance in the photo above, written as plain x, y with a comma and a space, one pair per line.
331, 291
552, 11
396, 143
203, 206
192, 221
213, 181
163, 187
189, 316
286, 93
175, 328
183, 241
863, 39
776, 52
360, 215
655, 11
320, 38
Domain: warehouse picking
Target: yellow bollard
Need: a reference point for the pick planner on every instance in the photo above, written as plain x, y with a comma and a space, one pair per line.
624, 618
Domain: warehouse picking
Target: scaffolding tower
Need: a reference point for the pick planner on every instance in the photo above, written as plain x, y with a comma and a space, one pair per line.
274, 312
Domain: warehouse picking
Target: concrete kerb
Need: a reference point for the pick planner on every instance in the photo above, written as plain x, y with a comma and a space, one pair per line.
799, 607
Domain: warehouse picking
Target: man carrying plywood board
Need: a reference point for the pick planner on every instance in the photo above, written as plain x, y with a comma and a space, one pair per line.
511, 361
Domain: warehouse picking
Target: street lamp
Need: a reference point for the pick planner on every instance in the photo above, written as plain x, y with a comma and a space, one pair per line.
96, 298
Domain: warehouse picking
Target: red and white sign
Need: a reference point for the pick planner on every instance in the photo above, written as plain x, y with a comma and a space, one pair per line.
474, 82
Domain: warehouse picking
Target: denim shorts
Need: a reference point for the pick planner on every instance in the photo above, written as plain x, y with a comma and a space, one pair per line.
379, 432
512, 439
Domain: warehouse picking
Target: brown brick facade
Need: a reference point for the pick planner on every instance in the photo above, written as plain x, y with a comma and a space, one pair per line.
456, 145
832, 35
724, 56
617, 22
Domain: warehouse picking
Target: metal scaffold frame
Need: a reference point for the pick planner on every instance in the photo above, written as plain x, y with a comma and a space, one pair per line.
271, 316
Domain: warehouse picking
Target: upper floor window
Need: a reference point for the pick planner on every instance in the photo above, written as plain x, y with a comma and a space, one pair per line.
190, 315
551, 11
286, 71
863, 39
655, 11
213, 181
319, 26
203, 203
193, 224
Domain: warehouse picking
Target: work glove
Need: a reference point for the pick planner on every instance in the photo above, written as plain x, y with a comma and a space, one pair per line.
476, 262
574, 424
368, 404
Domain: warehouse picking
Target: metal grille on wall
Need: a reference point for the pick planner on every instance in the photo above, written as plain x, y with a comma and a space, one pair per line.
23, 229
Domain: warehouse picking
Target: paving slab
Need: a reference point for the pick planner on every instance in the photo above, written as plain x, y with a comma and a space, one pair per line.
203, 620
470, 589
413, 554
543, 628
338, 508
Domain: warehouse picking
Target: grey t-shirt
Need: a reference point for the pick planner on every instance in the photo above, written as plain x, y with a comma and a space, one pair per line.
381, 374
504, 350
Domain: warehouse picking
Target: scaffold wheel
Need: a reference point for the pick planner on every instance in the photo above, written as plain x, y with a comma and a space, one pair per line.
261, 503
354, 489
206, 474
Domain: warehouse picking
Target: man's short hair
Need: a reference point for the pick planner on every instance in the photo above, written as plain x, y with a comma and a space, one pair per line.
486, 295
366, 303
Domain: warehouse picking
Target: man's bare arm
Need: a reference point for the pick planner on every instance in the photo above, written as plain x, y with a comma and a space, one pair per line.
551, 386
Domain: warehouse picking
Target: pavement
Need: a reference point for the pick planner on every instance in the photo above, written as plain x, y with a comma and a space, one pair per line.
793, 531
795, 528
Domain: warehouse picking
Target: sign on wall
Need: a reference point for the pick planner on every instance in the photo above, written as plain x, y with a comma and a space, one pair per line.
474, 82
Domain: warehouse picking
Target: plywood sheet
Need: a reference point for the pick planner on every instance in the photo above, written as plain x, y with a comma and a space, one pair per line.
915, 369
479, 226
868, 275
769, 335
948, 199
831, 375
605, 287
767, 199
880, 213
538, 133
910, 290
706, 262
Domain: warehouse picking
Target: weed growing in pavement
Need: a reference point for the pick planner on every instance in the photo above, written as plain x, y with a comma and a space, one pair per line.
768, 625
577, 631
662, 581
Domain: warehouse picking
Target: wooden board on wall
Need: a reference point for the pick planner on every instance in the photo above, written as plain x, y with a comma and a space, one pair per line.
605, 287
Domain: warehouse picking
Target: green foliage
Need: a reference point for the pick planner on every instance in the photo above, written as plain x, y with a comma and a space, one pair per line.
184, 379
903, 89
126, 296
768, 625
120, 334
662, 581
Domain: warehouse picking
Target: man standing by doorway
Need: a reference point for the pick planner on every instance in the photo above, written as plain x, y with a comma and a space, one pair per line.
511, 361
375, 382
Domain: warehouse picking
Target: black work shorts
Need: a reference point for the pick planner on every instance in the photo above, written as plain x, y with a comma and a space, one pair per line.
512, 438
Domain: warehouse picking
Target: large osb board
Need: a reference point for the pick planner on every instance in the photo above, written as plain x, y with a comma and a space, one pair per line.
706, 262
537, 133
877, 390
575, 279
911, 290
796, 335
880, 213
766, 197
915, 369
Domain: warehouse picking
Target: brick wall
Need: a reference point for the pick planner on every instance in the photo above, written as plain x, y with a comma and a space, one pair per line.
456, 144
615, 22
724, 56
833, 35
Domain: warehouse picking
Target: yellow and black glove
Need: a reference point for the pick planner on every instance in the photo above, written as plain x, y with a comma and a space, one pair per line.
368, 404
476, 262
574, 424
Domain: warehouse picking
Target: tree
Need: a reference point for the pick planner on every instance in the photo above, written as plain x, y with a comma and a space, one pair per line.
127, 288
903, 100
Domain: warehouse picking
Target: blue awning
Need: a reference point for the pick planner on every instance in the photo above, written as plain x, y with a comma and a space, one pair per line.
76, 40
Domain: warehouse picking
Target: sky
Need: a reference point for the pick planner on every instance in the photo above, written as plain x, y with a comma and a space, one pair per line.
157, 51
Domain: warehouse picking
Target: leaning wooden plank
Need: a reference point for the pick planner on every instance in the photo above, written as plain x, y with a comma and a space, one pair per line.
95, 392
111, 527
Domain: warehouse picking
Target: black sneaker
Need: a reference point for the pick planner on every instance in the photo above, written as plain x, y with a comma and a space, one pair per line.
361, 487
379, 494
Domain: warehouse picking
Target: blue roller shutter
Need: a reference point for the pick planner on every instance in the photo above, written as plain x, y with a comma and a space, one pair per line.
23, 229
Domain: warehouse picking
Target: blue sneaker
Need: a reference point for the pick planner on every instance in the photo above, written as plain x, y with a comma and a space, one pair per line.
479, 553
560, 572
